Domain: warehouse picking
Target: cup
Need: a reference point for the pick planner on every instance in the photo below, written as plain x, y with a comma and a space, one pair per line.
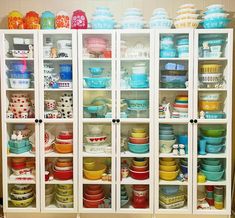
183, 139
219, 198
219, 190
10, 115
50, 104
24, 115
202, 147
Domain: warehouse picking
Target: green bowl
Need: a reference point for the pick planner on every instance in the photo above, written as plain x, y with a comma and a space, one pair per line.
211, 168
212, 161
213, 176
213, 131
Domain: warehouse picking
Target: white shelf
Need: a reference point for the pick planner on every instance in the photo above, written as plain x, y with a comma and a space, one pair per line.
222, 155
20, 90
57, 59
135, 59
52, 208
131, 181
21, 182
57, 90
55, 181
68, 120
96, 120
99, 181
19, 59
212, 211
28, 120
173, 89
182, 210
130, 209
55, 154
134, 120
174, 59
212, 90
172, 155
174, 120
215, 121
97, 89
213, 59
86, 154
174, 182
26, 154
223, 182
97, 59
130, 154
132, 89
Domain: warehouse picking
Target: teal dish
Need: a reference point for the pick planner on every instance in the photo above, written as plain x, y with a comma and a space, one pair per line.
216, 23
97, 82
165, 132
20, 150
166, 137
138, 148
213, 176
214, 10
213, 140
212, 161
138, 104
18, 143
215, 115
169, 189
214, 149
96, 71
165, 127
138, 84
103, 24
211, 168
94, 108
168, 53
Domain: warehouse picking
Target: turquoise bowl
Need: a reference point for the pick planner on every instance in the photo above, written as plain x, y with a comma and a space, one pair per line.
138, 148
165, 127
20, 150
96, 71
212, 161
213, 176
166, 137
138, 104
214, 148
97, 82
211, 168
94, 108
169, 189
213, 140
19, 143
165, 132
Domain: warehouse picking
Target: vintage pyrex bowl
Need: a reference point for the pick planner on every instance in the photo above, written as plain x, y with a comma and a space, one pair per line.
216, 23
213, 176
160, 23
213, 131
169, 189
168, 176
97, 82
212, 161
137, 162
138, 104
103, 23
138, 148
94, 108
213, 140
168, 168
96, 71
166, 146
167, 162
167, 137
96, 172
211, 168
214, 148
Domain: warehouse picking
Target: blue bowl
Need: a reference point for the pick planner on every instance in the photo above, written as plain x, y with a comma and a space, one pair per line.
66, 75
66, 67
168, 53
138, 104
214, 10
165, 132
131, 25
214, 149
18, 143
184, 169
216, 23
165, 127
213, 176
20, 75
102, 24
214, 140
166, 137
138, 84
212, 161
96, 71
94, 108
138, 148
176, 79
169, 189
143, 77
160, 24
211, 168
97, 82
19, 66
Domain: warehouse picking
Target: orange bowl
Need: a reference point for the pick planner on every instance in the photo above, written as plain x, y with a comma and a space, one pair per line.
139, 140
64, 164
63, 148
139, 168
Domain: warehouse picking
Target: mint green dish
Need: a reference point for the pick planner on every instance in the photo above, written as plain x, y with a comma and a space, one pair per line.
213, 131
211, 168
213, 176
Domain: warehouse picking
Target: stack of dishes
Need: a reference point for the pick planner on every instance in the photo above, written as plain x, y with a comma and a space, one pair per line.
160, 19
22, 195
139, 169
64, 196
215, 137
187, 17
93, 196
138, 141
132, 19
167, 46
93, 170
102, 18
63, 169
96, 46
184, 166
171, 197
180, 107
182, 46
167, 138
139, 77
168, 169
212, 168
49, 194
215, 17
20, 105
64, 142
124, 196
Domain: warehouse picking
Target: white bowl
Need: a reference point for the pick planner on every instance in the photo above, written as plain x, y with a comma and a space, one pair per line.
63, 168
20, 83
66, 141
215, 6
180, 109
216, 15
96, 139
139, 70
211, 96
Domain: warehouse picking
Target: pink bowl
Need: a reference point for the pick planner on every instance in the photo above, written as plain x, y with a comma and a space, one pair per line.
139, 140
139, 175
96, 48
95, 40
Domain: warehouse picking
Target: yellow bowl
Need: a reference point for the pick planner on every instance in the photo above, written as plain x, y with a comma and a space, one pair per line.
209, 105
64, 198
211, 68
168, 168
138, 130
21, 192
138, 134
140, 163
167, 158
89, 163
181, 98
169, 176
96, 172
167, 163
64, 192
65, 186
23, 203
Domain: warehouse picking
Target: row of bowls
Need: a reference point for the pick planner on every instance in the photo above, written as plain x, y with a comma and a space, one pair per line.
93, 196
139, 172
168, 169
64, 142
63, 169
160, 19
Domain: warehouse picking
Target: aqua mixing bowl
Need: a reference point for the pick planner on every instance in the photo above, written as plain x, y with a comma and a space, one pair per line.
169, 189
168, 78
138, 148
183, 41
211, 168
213, 140
212, 161
214, 10
138, 84
160, 24
166, 137
138, 104
214, 149
213, 176
165, 127
216, 23
97, 82
165, 132
142, 77
103, 24
168, 53
94, 108
96, 71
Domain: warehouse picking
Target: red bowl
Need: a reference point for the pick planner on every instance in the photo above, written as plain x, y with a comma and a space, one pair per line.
139, 175
65, 136
92, 203
139, 140
179, 105
93, 192
140, 187
94, 197
94, 187
63, 175
209, 187
140, 169
18, 166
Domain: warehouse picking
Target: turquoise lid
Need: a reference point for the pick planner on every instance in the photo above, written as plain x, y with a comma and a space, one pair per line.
47, 14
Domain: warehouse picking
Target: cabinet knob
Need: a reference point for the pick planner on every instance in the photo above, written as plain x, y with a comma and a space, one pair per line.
195, 121
36, 120
40, 121
113, 120
191, 121
118, 120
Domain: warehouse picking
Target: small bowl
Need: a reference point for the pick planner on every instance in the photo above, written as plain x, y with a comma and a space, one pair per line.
138, 130
23, 203
211, 168
168, 176
168, 168
140, 163
167, 163
63, 175
96, 139
167, 137
212, 161
92, 203
138, 148
64, 198
140, 168
96, 71
65, 192
89, 163
213, 176
139, 140
139, 175
138, 135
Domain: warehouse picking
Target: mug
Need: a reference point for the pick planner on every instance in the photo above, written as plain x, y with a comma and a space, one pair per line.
50, 104
10, 115
24, 115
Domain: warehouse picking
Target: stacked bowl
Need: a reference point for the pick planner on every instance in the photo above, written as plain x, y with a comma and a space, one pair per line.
93, 196
139, 77
168, 169
22, 195
20, 105
210, 101
167, 49
215, 17
64, 142
93, 170
186, 17
102, 18
167, 138
182, 46
138, 141
49, 194
96, 45
63, 169
160, 19
64, 195
19, 77
212, 168
181, 106
139, 169
132, 19
214, 136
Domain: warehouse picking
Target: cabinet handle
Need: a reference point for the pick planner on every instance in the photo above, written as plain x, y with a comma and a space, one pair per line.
118, 120
113, 120
191, 121
40, 121
195, 121
36, 120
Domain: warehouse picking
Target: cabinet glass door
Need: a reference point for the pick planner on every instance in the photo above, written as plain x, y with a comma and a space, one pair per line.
213, 103
96, 111
134, 131
20, 145
58, 130
174, 84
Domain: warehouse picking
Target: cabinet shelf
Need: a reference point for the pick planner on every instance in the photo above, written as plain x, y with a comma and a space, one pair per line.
134, 90
213, 59
57, 90
174, 120
182, 210
130, 181
223, 155
222, 183
173, 156
57, 59
86, 154
130, 154
69, 120
26, 154
173, 59
174, 182
97, 89
135, 59
21, 182
19, 59
20, 90
101, 182
55, 181
29, 120
55, 154
97, 59
173, 90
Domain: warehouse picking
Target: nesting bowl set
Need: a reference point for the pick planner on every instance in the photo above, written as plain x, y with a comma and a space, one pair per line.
168, 169
139, 76
180, 107
132, 19
64, 196
63, 169
64, 142
160, 19
139, 169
